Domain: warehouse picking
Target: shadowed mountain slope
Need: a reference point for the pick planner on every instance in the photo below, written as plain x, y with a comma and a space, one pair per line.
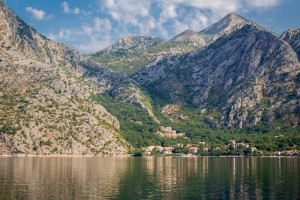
246, 76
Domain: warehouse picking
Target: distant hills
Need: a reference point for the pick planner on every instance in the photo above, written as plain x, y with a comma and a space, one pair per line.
132, 53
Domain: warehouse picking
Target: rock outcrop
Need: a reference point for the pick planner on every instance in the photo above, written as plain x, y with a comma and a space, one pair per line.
45, 92
227, 25
132, 53
248, 76
292, 36
235, 72
190, 38
135, 42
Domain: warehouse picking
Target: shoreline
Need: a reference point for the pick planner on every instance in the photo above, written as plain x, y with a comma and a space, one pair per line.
195, 156
65, 156
129, 155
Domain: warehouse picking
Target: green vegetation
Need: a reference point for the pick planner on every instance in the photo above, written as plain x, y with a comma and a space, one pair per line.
25, 30
130, 61
138, 154
129, 116
262, 136
123, 61
9, 129
202, 127
46, 143
198, 127
8, 101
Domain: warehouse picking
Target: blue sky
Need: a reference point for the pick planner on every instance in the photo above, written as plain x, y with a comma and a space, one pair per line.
90, 25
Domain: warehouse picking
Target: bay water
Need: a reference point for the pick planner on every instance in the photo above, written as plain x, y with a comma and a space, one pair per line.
149, 178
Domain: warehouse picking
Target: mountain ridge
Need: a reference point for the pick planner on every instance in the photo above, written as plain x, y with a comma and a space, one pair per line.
190, 37
292, 36
123, 60
198, 72
45, 96
230, 23
138, 42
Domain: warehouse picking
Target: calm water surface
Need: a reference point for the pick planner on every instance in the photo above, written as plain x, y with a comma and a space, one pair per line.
149, 178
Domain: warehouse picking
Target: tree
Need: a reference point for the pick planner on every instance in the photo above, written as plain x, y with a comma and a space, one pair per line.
248, 152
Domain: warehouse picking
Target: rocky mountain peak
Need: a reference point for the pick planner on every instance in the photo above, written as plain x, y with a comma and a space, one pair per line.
2, 3
50, 104
229, 23
4, 15
234, 18
136, 42
292, 36
14, 32
189, 36
186, 33
292, 33
235, 73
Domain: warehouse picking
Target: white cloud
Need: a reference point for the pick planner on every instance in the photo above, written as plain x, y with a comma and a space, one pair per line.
37, 14
168, 11
152, 15
76, 11
87, 38
64, 34
68, 10
127, 11
262, 3
181, 14
95, 44
102, 25
164, 18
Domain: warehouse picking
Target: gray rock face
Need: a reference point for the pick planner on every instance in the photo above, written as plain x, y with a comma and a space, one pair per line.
135, 42
244, 75
292, 36
132, 53
225, 26
45, 96
237, 74
190, 38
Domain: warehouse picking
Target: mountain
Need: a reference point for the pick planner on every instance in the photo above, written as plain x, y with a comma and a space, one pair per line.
239, 80
229, 24
233, 80
45, 96
190, 38
292, 36
132, 53
135, 42
126, 55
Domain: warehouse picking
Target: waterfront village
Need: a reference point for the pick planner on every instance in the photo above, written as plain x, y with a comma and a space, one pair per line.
203, 149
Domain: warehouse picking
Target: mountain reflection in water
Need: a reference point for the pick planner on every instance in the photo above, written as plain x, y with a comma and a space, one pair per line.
149, 178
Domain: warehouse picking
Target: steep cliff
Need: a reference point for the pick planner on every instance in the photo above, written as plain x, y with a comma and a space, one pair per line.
190, 38
246, 76
132, 53
234, 73
229, 24
292, 36
45, 92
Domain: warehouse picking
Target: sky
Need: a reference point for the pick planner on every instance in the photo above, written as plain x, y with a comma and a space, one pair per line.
91, 25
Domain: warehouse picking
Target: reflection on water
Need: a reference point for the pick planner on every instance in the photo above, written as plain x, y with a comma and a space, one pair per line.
66, 178
149, 178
